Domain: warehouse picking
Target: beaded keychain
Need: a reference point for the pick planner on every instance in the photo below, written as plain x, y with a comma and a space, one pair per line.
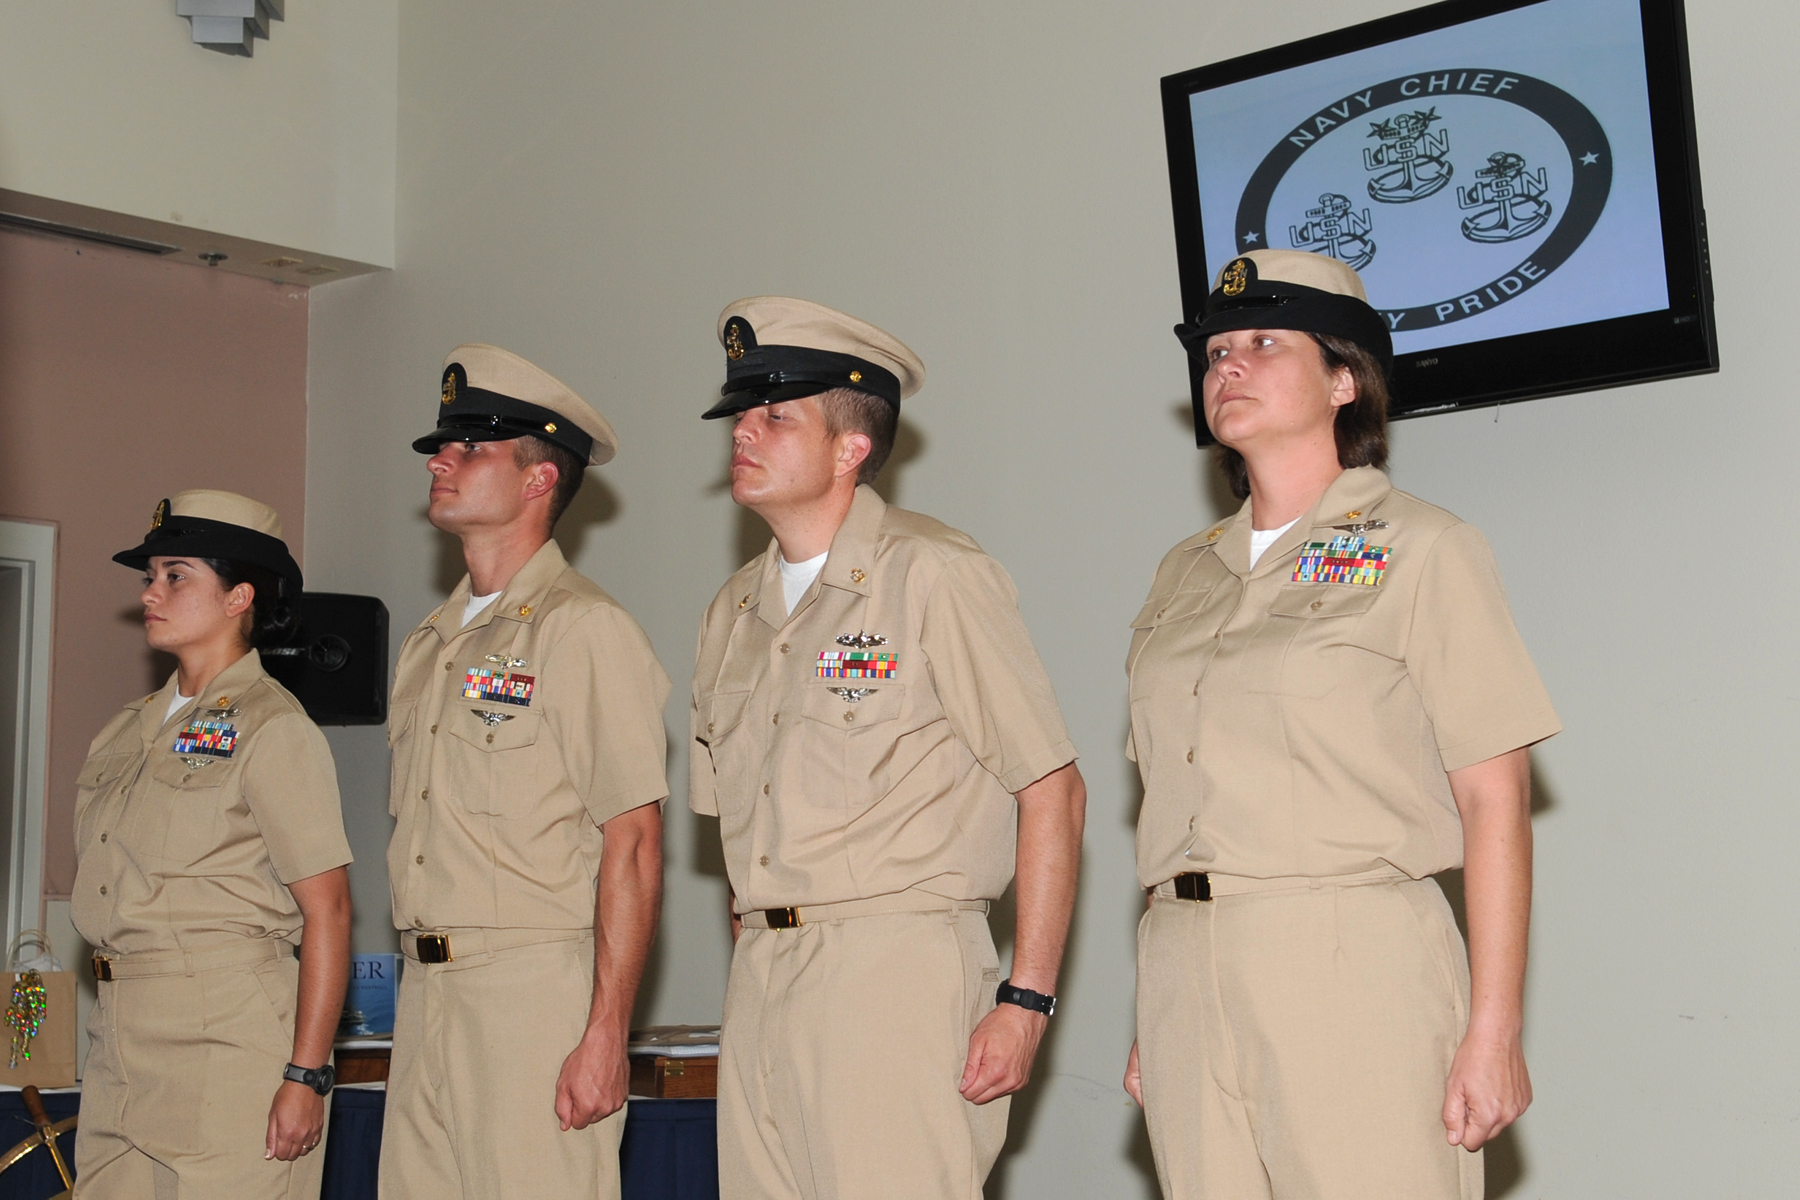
26, 1013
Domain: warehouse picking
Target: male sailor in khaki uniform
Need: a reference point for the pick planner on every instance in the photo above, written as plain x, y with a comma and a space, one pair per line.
526, 863
867, 706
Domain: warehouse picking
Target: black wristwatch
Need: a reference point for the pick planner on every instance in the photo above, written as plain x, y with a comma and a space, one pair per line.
320, 1080
1026, 998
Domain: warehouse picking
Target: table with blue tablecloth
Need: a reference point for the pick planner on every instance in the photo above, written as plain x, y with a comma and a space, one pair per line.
669, 1152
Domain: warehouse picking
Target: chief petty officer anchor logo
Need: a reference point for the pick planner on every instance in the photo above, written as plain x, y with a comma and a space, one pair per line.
1411, 164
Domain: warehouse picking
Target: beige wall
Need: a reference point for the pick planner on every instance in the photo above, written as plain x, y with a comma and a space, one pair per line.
112, 106
124, 379
988, 182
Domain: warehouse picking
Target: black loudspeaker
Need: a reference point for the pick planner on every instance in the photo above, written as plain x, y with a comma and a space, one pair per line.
336, 663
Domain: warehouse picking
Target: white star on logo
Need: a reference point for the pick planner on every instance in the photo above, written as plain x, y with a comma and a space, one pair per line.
1250, 238
1589, 159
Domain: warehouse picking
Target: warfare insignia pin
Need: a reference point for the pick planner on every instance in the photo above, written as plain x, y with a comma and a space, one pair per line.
194, 764
156, 518
852, 694
482, 684
1346, 559
1236, 277
1362, 526
860, 640
857, 664
224, 713
507, 661
211, 739
489, 718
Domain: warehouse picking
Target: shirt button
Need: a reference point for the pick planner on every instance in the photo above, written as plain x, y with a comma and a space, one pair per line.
1190, 756
709, 727
418, 924
849, 716
1196, 687
103, 889
1317, 605
777, 718
1190, 824
447, 666
765, 789
103, 837
434, 729
425, 795
420, 860
490, 738
764, 860
785, 647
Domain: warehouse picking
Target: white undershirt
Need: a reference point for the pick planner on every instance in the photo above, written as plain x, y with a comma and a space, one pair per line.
1262, 539
797, 577
175, 705
476, 604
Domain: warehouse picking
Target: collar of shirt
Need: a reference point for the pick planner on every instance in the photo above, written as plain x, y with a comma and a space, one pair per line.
227, 686
1358, 490
847, 564
519, 600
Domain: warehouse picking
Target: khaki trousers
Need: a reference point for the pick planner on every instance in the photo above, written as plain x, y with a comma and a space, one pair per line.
1295, 1042
844, 1041
181, 1072
471, 1101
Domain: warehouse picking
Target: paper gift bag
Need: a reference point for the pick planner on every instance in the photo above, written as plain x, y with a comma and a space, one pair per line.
52, 1050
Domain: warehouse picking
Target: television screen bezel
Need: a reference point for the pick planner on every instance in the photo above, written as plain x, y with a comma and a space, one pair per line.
1668, 343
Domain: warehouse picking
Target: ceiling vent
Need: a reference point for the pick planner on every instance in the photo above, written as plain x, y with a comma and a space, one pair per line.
230, 26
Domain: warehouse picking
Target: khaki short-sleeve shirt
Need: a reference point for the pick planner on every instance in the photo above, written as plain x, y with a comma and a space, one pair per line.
515, 738
871, 741
187, 831
1299, 718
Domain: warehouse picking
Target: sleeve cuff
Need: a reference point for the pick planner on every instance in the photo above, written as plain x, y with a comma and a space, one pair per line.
1018, 778
1525, 732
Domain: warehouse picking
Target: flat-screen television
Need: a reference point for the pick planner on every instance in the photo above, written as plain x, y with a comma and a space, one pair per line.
1515, 180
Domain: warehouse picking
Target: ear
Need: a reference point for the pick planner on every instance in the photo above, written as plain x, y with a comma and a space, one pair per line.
852, 449
1343, 387
239, 600
541, 479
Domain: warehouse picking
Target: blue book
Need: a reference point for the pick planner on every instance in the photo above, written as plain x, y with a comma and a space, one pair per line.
369, 1002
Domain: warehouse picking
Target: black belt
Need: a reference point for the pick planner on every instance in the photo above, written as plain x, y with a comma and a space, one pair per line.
1192, 885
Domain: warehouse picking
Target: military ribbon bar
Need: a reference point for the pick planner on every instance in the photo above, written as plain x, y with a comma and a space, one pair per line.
215, 739
1347, 559
857, 664
499, 686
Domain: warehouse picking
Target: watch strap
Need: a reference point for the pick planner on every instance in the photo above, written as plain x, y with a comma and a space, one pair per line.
1025, 998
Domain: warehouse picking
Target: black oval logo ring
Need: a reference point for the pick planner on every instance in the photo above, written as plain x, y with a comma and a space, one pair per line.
1590, 164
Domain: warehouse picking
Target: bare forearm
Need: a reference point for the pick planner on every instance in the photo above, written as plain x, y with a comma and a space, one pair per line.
1052, 813
324, 901
627, 905
1496, 811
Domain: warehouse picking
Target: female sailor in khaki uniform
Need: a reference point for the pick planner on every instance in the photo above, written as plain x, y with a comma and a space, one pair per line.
208, 837
1329, 704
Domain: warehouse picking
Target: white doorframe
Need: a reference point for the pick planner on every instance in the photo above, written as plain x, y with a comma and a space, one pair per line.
31, 546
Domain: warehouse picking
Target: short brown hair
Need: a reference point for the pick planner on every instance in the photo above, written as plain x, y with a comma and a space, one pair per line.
850, 411
1360, 426
529, 451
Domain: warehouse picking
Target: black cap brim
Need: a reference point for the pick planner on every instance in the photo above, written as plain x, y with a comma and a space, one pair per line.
196, 537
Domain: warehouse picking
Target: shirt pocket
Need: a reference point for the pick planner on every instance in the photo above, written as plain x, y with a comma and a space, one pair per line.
99, 775
188, 803
733, 756
852, 749
1172, 640
1316, 623
497, 769
400, 753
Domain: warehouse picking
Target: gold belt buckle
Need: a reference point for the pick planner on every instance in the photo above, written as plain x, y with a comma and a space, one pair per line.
432, 947
1193, 885
102, 969
782, 918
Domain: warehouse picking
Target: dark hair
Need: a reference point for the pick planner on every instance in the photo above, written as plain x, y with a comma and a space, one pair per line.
529, 451
272, 616
850, 411
1360, 426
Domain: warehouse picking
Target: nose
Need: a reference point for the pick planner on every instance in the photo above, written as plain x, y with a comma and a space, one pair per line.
439, 463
